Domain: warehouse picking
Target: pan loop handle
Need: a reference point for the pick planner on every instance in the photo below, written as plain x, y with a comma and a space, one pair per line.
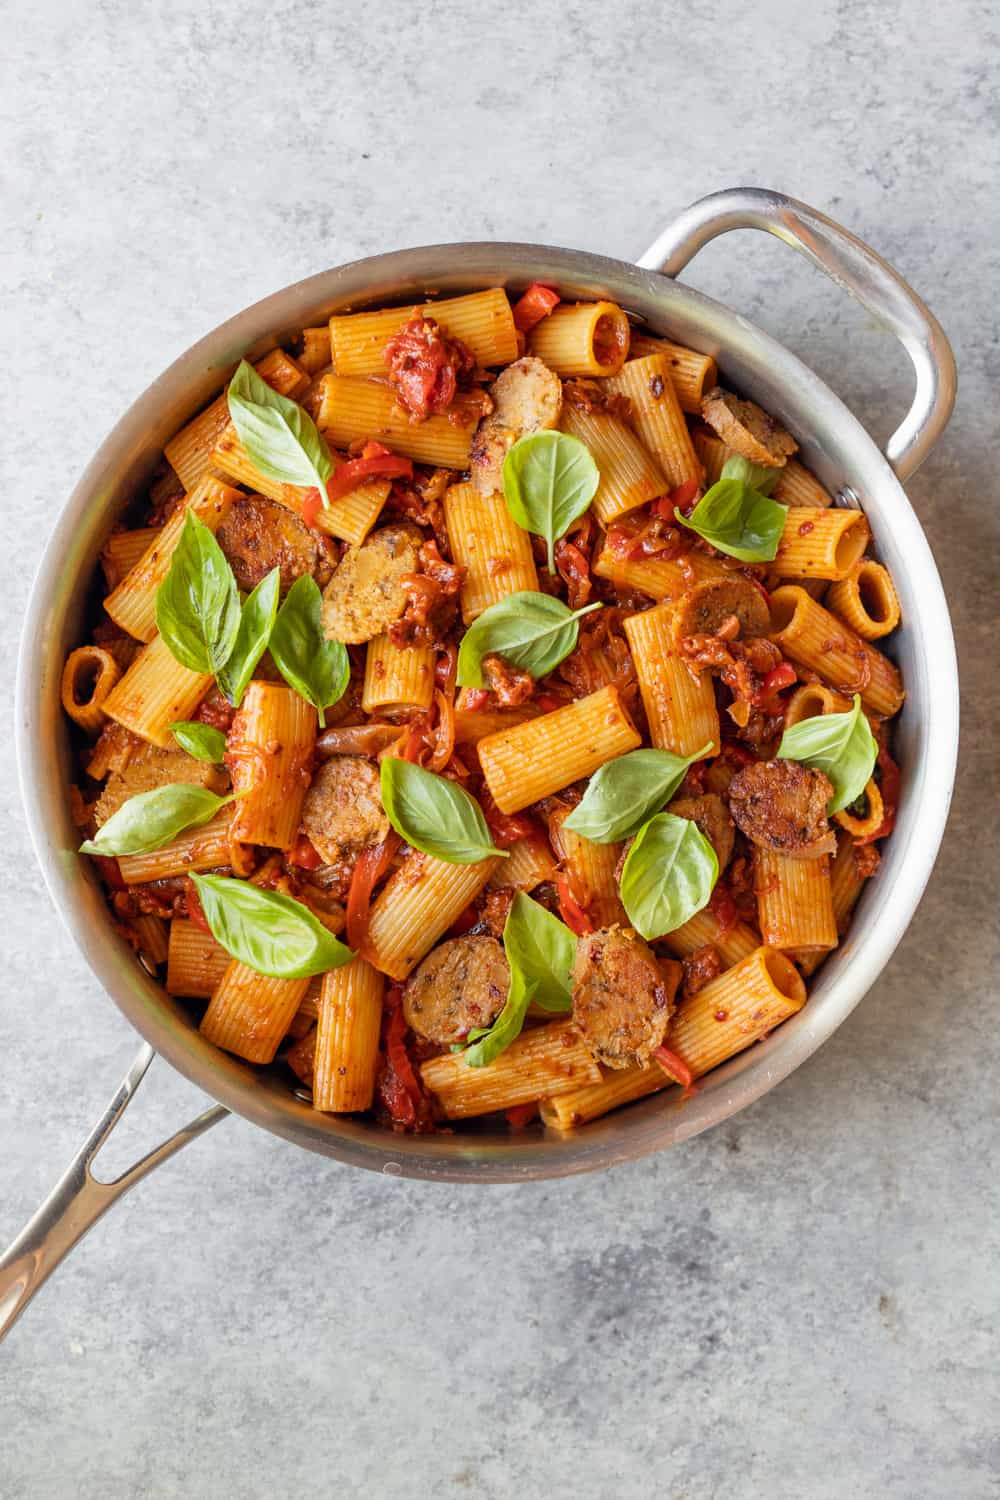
853, 266
79, 1199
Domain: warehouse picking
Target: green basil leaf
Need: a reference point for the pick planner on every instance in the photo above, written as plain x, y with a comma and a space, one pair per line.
759, 477
433, 814
272, 933
549, 478
152, 819
532, 631
281, 438
625, 792
315, 667
668, 875
540, 950
197, 605
739, 521
201, 741
256, 623
841, 745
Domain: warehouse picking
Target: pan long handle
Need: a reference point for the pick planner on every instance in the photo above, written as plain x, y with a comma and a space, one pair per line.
854, 266
79, 1199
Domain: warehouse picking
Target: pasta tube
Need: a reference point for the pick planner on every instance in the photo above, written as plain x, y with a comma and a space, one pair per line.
724, 1018
796, 486
155, 691
189, 454
794, 902
815, 638
846, 884
204, 848
350, 1017
417, 905
820, 543
195, 961
132, 605
871, 818
691, 373
87, 680
540, 1064
249, 1013
592, 868
657, 416
680, 706
866, 600
481, 320
731, 943
122, 551
269, 753
812, 699
582, 338
397, 677
658, 577
351, 409
487, 542
316, 353
630, 476
540, 757
529, 863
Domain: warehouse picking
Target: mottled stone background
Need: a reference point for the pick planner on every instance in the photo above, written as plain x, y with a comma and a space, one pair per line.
804, 1302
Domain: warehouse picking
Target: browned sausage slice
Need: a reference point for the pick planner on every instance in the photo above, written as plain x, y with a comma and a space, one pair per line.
622, 996
712, 817
704, 607
366, 594
781, 806
150, 768
462, 983
259, 534
747, 428
342, 813
527, 397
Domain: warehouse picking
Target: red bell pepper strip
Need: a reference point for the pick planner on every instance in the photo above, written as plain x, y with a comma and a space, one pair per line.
681, 499
304, 854
536, 304
674, 1066
570, 910
371, 866
376, 462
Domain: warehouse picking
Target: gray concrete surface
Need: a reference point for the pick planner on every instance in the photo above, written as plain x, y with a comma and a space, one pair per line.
801, 1304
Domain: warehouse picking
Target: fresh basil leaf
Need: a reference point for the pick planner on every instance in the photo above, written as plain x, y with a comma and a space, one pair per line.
739, 521
281, 438
540, 951
201, 741
532, 631
197, 605
841, 745
487, 1043
315, 667
549, 478
152, 819
272, 933
433, 814
625, 792
256, 623
759, 477
668, 875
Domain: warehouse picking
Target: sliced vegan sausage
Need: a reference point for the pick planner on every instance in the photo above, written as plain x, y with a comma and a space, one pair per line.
706, 606
462, 983
622, 996
527, 397
712, 817
747, 428
366, 594
781, 805
342, 813
259, 534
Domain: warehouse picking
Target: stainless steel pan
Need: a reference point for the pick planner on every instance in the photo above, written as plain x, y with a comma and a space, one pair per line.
834, 444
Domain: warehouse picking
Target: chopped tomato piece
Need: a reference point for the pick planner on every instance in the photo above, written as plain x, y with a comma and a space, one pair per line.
506, 828
475, 699
311, 507
536, 304
304, 854
425, 366
521, 1115
195, 910
682, 499
465, 919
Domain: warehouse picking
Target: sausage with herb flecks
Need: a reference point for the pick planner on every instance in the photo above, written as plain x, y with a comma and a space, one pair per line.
367, 594
781, 805
622, 996
711, 815
527, 397
747, 428
342, 813
706, 607
259, 534
461, 984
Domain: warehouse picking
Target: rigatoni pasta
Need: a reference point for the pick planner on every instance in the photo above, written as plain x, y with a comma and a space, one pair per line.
450, 885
